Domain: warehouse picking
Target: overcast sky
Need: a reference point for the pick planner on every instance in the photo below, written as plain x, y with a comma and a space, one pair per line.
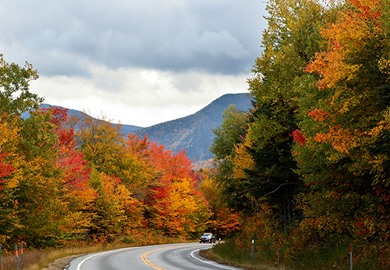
138, 62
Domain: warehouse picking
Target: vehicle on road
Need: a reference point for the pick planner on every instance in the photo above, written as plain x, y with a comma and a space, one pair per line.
207, 238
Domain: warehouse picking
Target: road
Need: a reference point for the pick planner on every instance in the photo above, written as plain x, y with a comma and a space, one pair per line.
159, 257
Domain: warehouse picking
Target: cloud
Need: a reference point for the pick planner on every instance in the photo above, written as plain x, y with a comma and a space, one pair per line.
59, 36
141, 97
138, 62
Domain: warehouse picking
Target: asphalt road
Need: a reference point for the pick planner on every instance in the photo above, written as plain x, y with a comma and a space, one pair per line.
159, 257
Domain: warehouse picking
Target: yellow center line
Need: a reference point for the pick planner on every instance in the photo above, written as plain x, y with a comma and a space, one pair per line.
145, 259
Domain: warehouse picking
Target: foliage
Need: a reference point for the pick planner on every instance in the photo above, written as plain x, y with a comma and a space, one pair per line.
174, 204
313, 168
224, 221
10, 161
15, 97
351, 126
63, 181
227, 136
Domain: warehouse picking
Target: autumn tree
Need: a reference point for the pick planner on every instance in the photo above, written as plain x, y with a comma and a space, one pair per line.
62, 181
10, 173
15, 98
74, 172
114, 211
40, 186
31, 180
120, 179
345, 120
141, 174
224, 221
174, 204
101, 142
291, 39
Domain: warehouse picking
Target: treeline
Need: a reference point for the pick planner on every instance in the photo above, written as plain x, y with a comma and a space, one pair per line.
65, 180
309, 167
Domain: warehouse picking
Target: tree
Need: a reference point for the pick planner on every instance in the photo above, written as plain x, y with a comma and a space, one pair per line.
102, 144
141, 175
10, 174
40, 185
174, 205
227, 136
291, 39
108, 216
15, 96
347, 126
224, 221
75, 175
230, 133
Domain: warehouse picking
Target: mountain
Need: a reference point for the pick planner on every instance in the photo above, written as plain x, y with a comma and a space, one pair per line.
126, 129
194, 133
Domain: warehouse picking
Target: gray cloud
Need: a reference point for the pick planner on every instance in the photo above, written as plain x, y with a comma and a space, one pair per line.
140, 62
61, 37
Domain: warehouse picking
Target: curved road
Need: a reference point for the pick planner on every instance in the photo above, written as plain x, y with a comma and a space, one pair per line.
159, 257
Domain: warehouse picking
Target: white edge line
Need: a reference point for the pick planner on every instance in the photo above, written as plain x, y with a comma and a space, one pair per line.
209, 262
83, 261
94, 255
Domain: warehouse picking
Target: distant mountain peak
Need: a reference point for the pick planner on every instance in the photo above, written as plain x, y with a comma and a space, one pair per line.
194, 133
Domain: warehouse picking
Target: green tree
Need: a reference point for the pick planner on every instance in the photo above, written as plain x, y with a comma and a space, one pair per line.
229, 133
227, 136
291, 39
41, 206
15, 96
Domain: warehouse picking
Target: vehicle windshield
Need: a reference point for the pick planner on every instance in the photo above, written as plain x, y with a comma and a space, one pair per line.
206, 234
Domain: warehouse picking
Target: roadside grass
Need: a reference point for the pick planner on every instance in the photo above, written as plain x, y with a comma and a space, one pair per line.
330, 255
226, 253
37, 259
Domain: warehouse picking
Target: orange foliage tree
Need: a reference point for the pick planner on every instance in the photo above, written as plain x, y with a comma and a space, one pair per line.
224, 221
175, 205
347, 127
10, 161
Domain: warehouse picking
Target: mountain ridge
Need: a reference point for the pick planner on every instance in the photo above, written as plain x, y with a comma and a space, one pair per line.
192, 133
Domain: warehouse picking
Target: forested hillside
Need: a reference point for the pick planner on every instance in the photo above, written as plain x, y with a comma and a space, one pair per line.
193, 133
60, 185
309, 169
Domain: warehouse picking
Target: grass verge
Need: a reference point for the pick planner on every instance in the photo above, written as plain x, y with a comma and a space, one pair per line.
228, 255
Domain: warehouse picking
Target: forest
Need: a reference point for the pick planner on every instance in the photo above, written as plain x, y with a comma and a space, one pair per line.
305, 173
64, 180
308, 167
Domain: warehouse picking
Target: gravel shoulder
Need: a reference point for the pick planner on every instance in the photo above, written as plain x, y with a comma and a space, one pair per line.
60, 264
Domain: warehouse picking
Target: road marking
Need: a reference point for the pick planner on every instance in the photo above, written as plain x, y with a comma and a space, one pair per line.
93, 255
210, 262
145, 259
89, 257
